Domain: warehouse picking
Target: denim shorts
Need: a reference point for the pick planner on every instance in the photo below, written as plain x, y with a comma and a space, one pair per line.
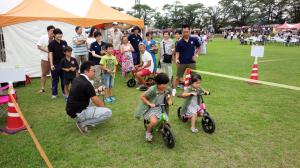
108, 80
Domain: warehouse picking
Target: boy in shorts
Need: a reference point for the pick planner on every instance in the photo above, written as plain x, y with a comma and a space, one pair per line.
69, 66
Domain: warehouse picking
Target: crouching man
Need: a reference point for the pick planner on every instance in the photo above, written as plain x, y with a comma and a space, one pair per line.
82, 96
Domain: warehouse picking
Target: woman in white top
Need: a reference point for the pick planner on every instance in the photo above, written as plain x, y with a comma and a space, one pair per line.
91, 38
166, 50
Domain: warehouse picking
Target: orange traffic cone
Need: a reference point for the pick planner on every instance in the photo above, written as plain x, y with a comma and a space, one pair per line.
187, 79
254, 73
14, 121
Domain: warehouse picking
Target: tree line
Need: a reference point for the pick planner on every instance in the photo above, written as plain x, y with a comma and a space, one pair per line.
235, 13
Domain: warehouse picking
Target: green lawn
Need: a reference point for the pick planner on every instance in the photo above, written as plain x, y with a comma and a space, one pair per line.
257, 126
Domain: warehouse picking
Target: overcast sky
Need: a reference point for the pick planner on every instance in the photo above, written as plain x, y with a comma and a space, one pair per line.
127, 4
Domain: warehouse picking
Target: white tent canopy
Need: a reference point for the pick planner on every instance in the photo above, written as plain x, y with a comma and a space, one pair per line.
21, 39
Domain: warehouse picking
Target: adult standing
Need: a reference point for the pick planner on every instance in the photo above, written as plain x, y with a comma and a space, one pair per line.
187, 49
82, 95
135, 39
91, 37
80, 46
42, 45
115, 37
151, 47
166, 51
90, 40
97, 51
56, 53
231, 35
203, 42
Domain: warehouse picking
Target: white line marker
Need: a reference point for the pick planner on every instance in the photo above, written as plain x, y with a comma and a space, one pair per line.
249, 80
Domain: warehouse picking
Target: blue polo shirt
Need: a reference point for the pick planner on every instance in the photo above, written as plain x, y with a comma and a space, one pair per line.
134, 41
95, 46
187, 50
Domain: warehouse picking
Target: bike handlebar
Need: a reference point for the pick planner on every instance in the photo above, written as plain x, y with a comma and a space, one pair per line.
158, 105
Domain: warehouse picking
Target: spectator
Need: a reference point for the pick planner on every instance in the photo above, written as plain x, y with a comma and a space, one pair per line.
151, 47
56, 53
91, 38
187, 49
135, 40
97, 51
145, 68
79, 104
43, 47
231, 35
109, 64
69, 67
115, 36
127, 60
166, 54
80, 46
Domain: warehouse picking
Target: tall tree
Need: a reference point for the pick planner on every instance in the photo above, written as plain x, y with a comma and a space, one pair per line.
240, 11
142, 11
193, 13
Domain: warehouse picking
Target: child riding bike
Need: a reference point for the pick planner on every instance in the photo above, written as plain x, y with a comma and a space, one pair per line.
155, 95
191, 105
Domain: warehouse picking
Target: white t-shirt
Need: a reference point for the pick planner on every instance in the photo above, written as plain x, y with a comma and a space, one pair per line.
43, 42
145, 58
116, 38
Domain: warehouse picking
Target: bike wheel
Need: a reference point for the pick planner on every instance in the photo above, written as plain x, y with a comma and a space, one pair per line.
183, 119
208, 124
131, 82
168, 137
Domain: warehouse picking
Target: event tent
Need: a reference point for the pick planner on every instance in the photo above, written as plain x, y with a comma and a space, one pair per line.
285, 26
24, 21
296, 26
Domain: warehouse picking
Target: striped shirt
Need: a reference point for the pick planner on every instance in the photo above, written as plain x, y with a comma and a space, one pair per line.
80, 49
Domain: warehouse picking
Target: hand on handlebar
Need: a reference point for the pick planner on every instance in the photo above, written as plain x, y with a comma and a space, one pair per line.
151, 105
193, 94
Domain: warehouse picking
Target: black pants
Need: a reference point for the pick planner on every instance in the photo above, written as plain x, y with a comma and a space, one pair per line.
57, 74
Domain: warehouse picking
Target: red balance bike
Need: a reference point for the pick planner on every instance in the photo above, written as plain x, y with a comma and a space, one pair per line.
207, 122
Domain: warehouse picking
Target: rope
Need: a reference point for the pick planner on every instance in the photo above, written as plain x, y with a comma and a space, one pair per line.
35, 140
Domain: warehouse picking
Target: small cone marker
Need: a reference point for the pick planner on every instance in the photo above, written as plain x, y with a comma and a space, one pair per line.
254, 73
14, 121
187, 79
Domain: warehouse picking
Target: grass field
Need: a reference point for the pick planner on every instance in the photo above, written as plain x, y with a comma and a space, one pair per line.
257, 126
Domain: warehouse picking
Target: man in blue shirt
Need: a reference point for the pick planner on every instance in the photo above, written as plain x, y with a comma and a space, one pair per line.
187, 50
135, 39
97, 50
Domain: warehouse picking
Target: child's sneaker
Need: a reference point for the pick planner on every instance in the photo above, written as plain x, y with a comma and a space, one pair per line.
194, 130
107, 100
113, 98
148, 137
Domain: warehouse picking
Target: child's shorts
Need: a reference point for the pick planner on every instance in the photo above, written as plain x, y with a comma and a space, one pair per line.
67, 81
108, 80
156, 111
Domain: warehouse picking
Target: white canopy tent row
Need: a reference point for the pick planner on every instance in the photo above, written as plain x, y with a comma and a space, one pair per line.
23, 22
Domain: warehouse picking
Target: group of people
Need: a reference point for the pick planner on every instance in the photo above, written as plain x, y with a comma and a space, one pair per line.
99, 62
